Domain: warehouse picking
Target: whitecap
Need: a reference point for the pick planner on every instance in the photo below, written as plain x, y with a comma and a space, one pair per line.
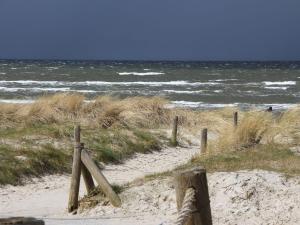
270, 83
220, 80
141, 74
33, 89
85, 91
52, 68
17, 101
182, 92
277, 88
105, 83
189, 104
201, 105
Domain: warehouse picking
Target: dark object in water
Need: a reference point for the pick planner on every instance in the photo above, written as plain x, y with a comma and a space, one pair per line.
270, 109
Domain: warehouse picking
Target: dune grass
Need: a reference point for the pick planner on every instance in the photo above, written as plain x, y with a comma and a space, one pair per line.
262, 140
24, 162
37, 139
271, 157
114, 129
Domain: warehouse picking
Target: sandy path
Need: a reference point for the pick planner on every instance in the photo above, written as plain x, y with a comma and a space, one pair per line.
244, 197
47, 197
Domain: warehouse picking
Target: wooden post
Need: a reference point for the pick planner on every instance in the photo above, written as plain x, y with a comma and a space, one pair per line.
21, 221
77, 131
235, 119
76, 170
174, 131
204, 140
194, 178
99, 177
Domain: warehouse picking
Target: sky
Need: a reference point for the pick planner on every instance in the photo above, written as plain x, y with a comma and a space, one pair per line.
150, 29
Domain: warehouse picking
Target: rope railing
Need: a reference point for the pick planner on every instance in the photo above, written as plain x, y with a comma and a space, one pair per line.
187, 207
192, 197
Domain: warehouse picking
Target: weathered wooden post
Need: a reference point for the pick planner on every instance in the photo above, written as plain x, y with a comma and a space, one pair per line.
204, 140
87, 177
174, 131
21, 221
76, 170
235, 119
194, 178
99, 177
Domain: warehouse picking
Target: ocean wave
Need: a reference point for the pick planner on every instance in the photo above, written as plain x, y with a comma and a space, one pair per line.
182, 92
85, 91
277, 88
202, 105
29, 82
2, 73
270, 83
38, 89
106, 83
33, 89
52, 68
17, 101
221, 80
189, 104
141, 74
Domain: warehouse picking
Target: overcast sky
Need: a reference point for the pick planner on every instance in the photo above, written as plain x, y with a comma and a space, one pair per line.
150, 29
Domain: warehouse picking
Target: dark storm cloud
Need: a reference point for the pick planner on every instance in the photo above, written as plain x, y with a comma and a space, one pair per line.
150, 29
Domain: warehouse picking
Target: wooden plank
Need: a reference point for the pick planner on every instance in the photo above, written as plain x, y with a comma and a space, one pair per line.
88, 179
194, 178
99, 177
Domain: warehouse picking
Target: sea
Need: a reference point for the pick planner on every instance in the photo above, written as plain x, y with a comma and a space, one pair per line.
199, 85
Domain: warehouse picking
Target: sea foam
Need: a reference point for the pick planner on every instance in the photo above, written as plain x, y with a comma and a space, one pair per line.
277, 88
106, 83
270, 83
141, 74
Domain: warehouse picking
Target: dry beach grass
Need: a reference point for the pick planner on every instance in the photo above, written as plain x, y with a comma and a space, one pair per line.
36, 138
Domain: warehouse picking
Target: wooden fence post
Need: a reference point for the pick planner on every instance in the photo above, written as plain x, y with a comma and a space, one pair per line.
76, 170
99, 177
21, 221
235, 119
174, 131
204, 140
194, 178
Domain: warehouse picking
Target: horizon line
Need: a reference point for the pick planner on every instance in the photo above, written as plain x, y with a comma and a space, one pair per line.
152, 60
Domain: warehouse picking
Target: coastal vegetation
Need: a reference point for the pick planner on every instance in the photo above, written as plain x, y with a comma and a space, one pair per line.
37, 138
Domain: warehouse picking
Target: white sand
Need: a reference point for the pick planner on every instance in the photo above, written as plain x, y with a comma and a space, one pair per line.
48, 197
245, 197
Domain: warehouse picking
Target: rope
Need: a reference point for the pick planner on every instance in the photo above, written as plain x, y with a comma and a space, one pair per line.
187, 207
